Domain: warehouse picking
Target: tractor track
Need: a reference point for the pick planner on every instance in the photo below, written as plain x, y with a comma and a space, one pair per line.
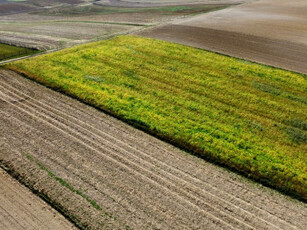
142, 181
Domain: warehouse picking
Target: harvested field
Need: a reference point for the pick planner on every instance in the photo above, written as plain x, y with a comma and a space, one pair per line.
246, 116
159, 3
22, 210
53, 26
106, 175
272, 32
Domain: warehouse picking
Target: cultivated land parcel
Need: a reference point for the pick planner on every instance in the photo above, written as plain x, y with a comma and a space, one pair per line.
246, 116
8, 51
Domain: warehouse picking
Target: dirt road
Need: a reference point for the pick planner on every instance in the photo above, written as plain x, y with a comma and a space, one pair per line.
106, 175
21, 209
273, 32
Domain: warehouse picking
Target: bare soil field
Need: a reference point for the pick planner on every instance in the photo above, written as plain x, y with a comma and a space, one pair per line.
104, 174
272, 32
58, 24
21, 209
155, 3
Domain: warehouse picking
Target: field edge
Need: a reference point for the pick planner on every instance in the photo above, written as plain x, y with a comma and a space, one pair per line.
293, 193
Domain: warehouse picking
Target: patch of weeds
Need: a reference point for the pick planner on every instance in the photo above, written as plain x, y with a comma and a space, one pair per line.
299, 99
172, 69
131, 74
296, 135
297, 123
267, 88
93, 78
255, 125
129, 85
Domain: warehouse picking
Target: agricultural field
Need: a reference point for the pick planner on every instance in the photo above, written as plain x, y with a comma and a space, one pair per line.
248, 117
18, 205
8, 52
272, 32
104, 174
50, 25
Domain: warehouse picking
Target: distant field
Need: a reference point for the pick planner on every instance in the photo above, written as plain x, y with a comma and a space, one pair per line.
246, 116
96, 9
7, 51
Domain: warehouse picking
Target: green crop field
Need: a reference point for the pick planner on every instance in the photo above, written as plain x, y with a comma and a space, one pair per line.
8, 51
248, 117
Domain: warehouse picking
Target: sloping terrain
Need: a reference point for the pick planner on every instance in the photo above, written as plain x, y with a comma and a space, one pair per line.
248, 117
58, 24
22, 210
104, 174
273, 32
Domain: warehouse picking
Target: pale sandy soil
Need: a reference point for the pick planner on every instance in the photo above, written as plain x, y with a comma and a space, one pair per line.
67, 25
155, 3
272, 32
134, 179
22, 210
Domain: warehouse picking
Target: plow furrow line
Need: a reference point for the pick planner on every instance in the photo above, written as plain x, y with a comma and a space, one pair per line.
168, 186
147, 159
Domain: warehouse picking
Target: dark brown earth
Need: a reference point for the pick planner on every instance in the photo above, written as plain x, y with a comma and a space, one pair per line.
273, 32
104, 174
278, 53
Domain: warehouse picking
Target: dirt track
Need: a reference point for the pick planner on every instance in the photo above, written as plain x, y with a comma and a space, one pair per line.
135, 179
20, 209
272, 32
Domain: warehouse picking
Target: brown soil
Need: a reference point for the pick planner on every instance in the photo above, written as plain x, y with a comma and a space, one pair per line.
161, 3
135, 179
272, 32
21, 209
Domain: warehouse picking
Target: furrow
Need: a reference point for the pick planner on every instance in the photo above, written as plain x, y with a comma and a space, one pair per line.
188, 187
166, 188
197, 190
71, 171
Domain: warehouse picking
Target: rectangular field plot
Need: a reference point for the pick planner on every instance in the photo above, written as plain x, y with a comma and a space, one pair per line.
246, 116
8, 52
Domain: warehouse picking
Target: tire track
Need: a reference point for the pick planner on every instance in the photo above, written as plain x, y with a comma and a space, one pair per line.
196, 190
188, 190
198, 193
71, 172
117, 161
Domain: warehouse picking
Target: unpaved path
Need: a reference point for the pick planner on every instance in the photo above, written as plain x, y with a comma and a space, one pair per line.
107, 175
273, 32
21, 209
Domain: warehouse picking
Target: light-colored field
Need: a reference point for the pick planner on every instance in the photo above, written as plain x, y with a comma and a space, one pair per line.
22, 210
106, 175
52, 26
272, 32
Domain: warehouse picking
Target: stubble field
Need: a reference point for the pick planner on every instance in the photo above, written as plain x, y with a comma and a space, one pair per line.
59, 24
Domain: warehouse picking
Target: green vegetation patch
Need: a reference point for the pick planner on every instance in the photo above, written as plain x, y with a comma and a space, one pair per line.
248, 117
8, 51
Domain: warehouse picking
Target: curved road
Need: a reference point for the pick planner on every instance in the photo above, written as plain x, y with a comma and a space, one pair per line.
95, 166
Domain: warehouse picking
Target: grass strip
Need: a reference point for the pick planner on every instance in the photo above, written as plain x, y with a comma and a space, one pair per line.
66, 184
9, 51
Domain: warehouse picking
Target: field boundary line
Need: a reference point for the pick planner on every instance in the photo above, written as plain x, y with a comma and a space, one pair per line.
159, 161
120, 163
